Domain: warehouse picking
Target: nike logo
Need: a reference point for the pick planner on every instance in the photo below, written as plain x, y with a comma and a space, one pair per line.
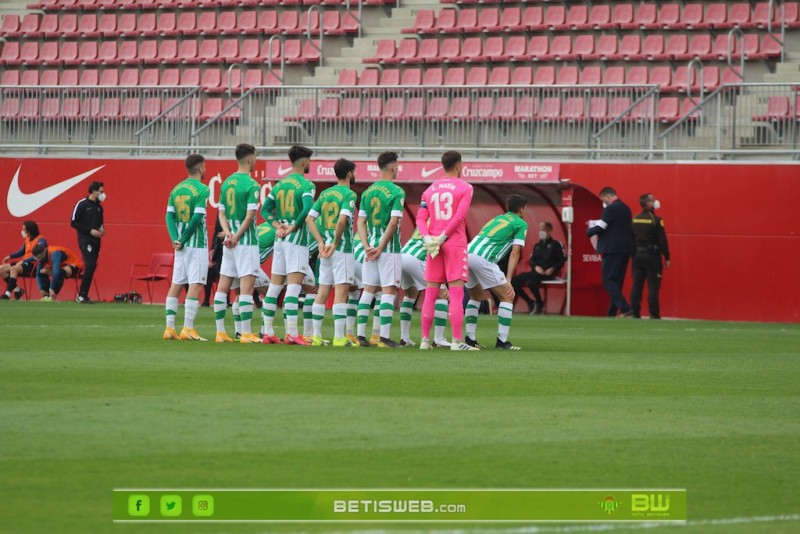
425, 172
21, 204
283, 171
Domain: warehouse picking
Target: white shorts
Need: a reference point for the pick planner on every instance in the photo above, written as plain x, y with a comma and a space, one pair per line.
413, 273
288, 258
191, 266
359, 269
339, 268
385, 272
262, 280
241, 260
484, 272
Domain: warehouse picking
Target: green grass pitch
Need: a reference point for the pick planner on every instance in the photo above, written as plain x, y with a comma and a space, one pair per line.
92, 399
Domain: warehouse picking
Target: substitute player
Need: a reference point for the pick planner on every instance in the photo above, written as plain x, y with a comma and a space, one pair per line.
58, 262
412, 282
27, 263
238, 204
498, 236
335, 207
186, 225
286, 208
379, 227
441, 220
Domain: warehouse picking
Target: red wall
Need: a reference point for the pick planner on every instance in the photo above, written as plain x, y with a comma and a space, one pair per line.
733, 229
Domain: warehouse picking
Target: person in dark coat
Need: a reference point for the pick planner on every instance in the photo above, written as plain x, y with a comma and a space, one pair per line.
614, 233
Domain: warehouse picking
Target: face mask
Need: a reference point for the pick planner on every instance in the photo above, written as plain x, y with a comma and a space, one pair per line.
101, 197
605, 205
542, 235
656, 205
24, 234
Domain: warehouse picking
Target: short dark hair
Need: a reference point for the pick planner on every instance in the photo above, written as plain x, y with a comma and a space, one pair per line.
32, 228
343, 167
95, 186
514, 203
548, 225
608, 190
644, 199
387, 158
192, 162
299, 152
243, 150
37, 249
450, 159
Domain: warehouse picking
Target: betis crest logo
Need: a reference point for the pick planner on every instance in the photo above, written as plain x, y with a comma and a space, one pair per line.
609, 504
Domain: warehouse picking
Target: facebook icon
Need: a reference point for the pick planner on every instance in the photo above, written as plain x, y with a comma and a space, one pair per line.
138, 505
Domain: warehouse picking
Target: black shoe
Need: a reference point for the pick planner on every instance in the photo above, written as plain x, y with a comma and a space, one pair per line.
84, 299
386, 343
505, 345
237, 335
626, 314
539, 309
363, 342
18, 293
655, 317
4, 297
473, 343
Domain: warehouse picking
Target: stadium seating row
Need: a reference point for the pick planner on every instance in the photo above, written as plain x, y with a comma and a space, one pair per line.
609, 47
188, 23
647, 16
147, 5
96, 108
663, 76
780, 109
210, 80
151, 52
487, 109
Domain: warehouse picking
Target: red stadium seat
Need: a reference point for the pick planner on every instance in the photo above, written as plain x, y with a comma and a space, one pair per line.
494, 49
288, 21
468, 21
411, 78
150, 77
129, 77
415, 109
10, 26
389, 77
455, 77
652, 48
448, 52
500, 76
10, 77
131, 108
67, 26
669, 17
147, 25
577, 17
778, 109
69, 78
645, 17
599, 17
622, 16
471, 51
489, 21
662, 76
187, 23
545, 75
555, 17
511, 18
190, 77
598, 109
228, 51
574, 109
614, 76
30, 78
522, 76
433, 77
716, 16
211, 81
527, 108
167, 24
478, 76
567, 75
583, 47
148, 51
385, 52
739, 14
209, 51
109, 78
668, 109
630, 46
108, 53
226, 23
445, 22
606, 48
460, 109
692, 16
170, 77
561, 47
677, 47
393, 109
505, 108
637, 76
538, 49
437, 108
761, 16
68, 53
369, 77
425, 21
48, 53
428, 51
591, 75
126, 25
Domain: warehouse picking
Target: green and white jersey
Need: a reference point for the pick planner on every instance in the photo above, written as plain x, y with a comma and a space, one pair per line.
266, 240
287, 197
330, 206
379, 203
237, 196
415, 246
358, 249
312, 245
498, 236
187, 199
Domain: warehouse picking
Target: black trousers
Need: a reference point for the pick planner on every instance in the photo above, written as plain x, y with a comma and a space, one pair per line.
646, 266
614, 268
532, 280
90, 250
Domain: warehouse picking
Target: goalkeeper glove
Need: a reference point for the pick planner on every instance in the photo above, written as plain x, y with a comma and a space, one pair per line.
431, 245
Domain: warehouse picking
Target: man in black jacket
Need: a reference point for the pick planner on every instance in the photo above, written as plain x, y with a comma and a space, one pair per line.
546, 262
615, 243
651, 244
87, 219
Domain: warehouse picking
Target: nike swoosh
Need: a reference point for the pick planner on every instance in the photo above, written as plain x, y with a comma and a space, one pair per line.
281, 170
21, 204
425, 172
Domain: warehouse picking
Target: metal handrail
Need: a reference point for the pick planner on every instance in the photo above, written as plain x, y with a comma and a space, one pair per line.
701, 69
230, 78
283, 58
782, 42
310, 35
652, 89
731, 48
213, 120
